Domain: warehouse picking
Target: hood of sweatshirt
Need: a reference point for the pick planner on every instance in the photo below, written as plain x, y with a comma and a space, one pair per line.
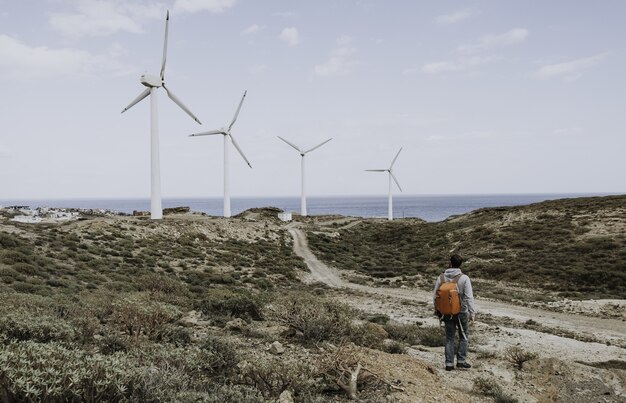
451, 273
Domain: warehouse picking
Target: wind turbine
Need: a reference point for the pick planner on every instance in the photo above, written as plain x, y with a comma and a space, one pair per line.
391, 176
303, 154
225, 131
152, 83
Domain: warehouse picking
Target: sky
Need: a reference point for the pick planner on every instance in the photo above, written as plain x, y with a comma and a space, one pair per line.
482, 96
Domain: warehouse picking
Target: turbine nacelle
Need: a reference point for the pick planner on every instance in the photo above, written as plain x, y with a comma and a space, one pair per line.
151, 81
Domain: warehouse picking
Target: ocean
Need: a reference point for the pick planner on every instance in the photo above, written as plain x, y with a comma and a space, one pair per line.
429, 208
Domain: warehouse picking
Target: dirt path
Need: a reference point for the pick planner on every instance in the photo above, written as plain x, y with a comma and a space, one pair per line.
609, 331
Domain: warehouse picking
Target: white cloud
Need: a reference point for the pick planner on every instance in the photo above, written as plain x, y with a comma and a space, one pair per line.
284, 14
571, 69
465, 64
100, 18
252, 29
393, 120
106, 17
456, 16
341, 59
513, 37
19, 60
4, 152
568, 131
290, 36
117, 50
410, 70
344, 40
257, 69
194, 6
471, 135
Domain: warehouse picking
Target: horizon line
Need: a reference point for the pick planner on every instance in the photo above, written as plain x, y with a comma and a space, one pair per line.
326, 196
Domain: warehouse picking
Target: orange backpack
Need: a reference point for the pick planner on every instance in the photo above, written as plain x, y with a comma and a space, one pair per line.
447, 299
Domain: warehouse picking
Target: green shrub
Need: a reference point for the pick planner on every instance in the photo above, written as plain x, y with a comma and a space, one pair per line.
489, 387
11, 257
518, 356
176, 335
222, 394
138, 315
9, 241
273, 375
113, 343
240, 303
431, 336
160, 283
394, 347
368, 334
315, 318
224, 357
31, 371
381, 319
403, 332
23, 325
27, 269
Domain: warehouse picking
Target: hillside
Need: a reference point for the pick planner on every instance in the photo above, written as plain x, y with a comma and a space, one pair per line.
114, 253
575, 245
205, 309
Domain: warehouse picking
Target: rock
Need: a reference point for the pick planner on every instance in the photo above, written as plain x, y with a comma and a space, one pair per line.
285, 397
236, 324
191, 319
176, 210
276, 348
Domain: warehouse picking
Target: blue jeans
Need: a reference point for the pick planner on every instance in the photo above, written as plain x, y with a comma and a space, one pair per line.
452, 324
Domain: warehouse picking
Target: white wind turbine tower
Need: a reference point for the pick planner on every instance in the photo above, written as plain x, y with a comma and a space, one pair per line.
152, 83
303, 154
225, 131
391, 176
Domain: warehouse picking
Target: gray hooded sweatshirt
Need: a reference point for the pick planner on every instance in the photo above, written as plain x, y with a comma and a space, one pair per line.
464, 285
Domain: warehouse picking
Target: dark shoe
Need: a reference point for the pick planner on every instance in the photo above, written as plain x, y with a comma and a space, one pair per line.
463, 365
449, 368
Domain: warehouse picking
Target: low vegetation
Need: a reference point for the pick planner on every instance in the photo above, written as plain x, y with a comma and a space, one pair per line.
126, 309
518, 356
489, 387
575, 247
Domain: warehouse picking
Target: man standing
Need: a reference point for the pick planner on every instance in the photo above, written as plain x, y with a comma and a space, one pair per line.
460, 320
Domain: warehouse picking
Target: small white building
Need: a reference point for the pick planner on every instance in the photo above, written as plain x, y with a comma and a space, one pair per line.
28, 219
63, 215
284, 216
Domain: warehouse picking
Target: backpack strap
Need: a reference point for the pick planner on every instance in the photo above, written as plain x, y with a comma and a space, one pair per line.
455, 279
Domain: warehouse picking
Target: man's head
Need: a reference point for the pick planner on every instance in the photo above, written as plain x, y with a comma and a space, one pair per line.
456, 261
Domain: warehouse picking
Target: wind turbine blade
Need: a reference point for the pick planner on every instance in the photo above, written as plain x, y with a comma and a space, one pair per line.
238, 109
209, 133
376, 170
291, 144
179, 103
239, 149
395, 180
394, 160
318, 146
141, 96
167, 23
